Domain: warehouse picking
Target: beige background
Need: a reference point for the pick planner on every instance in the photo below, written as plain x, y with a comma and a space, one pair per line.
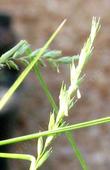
35, 20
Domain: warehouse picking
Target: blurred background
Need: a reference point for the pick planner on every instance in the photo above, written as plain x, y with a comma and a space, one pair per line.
34, 21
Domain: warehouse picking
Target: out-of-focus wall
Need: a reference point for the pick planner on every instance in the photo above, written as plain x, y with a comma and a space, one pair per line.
35, 20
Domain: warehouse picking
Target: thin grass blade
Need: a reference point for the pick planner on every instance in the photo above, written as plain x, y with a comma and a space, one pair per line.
10, 92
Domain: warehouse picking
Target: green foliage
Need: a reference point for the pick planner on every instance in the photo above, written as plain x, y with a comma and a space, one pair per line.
67, 98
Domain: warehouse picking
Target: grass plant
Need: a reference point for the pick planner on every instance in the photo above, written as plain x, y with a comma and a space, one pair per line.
68, 96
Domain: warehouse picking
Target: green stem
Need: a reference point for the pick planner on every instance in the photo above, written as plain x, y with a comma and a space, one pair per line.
76, 151
56, 131
20, 156
45, 88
